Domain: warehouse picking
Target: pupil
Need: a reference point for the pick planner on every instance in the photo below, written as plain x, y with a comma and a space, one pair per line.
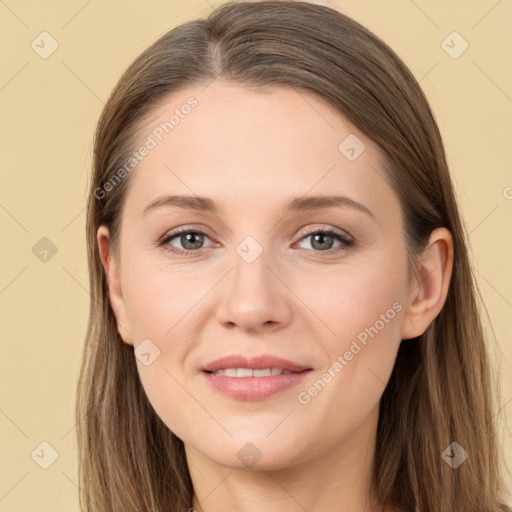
189, 238
322, 240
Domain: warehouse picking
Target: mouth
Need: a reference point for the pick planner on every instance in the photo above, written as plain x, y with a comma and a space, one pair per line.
253, 366
253, 378
250, 372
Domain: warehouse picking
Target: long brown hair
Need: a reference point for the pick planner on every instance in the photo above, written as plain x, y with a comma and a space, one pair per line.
440, 390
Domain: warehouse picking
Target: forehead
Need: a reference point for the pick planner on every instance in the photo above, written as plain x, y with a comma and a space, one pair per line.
242, 145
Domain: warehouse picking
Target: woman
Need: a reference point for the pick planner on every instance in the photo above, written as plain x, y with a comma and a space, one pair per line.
283, 313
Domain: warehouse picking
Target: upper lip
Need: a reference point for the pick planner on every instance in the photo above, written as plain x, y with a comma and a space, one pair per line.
256, 362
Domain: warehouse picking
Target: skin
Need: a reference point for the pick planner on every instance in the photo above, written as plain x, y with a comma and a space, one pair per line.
251, 152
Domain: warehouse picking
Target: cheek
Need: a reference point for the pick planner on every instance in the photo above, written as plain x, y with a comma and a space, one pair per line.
349, 301
161, 307
361, 313
161, 301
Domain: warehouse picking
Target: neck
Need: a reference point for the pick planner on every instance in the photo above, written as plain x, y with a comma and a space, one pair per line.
335, 481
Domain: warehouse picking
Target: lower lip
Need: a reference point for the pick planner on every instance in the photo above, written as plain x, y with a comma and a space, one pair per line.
254, 388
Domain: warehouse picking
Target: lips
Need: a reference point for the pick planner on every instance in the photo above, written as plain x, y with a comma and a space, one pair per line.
260, 362
253, 378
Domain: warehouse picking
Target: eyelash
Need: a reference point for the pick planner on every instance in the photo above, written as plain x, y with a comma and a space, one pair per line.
346, 242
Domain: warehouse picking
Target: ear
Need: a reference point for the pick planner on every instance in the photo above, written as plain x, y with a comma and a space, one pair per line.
427, 296
114, 284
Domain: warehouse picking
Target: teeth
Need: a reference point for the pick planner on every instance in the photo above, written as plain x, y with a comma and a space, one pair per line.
248, 372
267, 372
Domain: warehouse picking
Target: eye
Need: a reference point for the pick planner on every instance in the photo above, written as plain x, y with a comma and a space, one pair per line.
322, 240
191, 240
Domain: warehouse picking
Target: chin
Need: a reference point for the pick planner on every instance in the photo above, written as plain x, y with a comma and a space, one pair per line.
253, 452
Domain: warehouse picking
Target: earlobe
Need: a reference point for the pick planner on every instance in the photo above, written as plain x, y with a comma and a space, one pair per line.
114, 284
428, 295
125, 335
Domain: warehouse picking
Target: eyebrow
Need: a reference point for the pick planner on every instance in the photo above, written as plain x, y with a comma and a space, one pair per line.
298, 204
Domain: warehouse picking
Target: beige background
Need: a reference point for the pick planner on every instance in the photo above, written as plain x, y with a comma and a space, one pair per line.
49, 110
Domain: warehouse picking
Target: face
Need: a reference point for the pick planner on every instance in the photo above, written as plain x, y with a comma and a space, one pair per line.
277, 274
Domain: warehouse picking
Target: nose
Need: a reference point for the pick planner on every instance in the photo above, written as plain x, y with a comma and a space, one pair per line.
255, 296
